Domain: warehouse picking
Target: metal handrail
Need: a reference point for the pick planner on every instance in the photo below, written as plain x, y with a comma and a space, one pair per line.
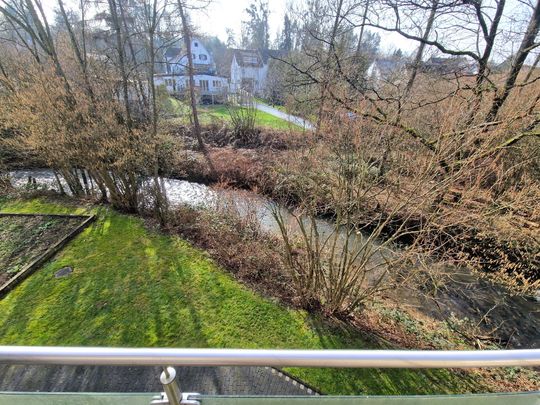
274, 358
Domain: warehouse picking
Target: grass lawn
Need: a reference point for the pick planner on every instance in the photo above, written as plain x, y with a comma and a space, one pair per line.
221, 113
174, 107
209, 114
133, 287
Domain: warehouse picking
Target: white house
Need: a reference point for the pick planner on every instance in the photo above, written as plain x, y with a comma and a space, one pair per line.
248, 71
388, 70
176, 61
208, 87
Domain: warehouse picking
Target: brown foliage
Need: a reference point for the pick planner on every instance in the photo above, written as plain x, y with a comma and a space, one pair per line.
237, 244
83, 138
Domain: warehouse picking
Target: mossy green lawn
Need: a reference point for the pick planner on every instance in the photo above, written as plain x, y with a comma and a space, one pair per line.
221, 113
209, 114
134, 287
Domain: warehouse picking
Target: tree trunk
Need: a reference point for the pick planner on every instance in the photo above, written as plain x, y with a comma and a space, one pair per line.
78, 54
532, 69
525, 48
121, 60
483, 70
420, 51
327, 73
361, 35
196, 125
139, 88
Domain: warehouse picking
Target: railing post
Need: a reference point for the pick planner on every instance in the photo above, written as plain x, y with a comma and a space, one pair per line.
173, 395
170, 385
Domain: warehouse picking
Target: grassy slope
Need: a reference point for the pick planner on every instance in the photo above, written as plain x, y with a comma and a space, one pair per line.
135, 287
219, 112
262, 119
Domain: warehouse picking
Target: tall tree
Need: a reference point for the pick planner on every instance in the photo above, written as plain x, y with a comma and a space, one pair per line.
420, 51
231, 38
120, 49
286, 41
527, 44
255, 30
362, 28
330, 57
186, 29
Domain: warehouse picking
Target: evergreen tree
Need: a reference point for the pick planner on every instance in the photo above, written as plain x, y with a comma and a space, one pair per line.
231, 38
255, 32
286, 42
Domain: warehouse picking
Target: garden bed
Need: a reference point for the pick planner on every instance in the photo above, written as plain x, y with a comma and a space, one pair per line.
28, 240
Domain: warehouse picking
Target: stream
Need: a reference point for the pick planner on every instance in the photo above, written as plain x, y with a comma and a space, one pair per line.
516, 318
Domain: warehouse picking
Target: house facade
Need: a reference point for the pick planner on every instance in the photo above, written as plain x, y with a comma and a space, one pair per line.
449, 66
205, 84
176, 60
208, 85
248, 72
387, 69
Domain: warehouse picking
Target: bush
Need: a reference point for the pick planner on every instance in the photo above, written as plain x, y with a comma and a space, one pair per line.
236, 242
243, 118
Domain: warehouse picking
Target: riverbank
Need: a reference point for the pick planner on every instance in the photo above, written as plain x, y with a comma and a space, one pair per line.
231, 225
489, 233
134, 271
136, 287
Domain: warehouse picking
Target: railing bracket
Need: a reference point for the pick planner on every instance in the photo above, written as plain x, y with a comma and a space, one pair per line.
188, 398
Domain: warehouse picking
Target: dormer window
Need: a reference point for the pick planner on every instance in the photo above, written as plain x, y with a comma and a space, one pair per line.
250, 59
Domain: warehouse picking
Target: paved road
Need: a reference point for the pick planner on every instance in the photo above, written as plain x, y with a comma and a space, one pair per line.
284, 116
203, 380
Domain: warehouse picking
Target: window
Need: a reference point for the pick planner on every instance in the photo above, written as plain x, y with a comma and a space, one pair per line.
203, 84
195, 44
193, 56
203, 56
250, 59
216, 83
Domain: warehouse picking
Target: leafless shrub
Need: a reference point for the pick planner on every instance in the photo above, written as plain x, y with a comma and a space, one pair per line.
232, 236
341, 266
243, 116
85, 141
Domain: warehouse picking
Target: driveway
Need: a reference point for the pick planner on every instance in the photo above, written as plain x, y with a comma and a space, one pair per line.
284, 116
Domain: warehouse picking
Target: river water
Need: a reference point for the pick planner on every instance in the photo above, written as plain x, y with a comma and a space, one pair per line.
181, 192
516, 318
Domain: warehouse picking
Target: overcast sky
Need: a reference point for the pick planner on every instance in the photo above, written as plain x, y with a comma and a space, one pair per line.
223, 14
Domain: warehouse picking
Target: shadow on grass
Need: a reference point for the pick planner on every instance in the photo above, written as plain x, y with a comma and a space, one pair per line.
337, 335
136, 288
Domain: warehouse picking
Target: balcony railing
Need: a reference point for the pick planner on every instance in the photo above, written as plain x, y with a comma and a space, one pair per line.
276, 358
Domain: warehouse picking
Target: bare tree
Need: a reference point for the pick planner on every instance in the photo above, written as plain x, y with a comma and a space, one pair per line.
527, 45
182, 8
420, 51
120, 49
